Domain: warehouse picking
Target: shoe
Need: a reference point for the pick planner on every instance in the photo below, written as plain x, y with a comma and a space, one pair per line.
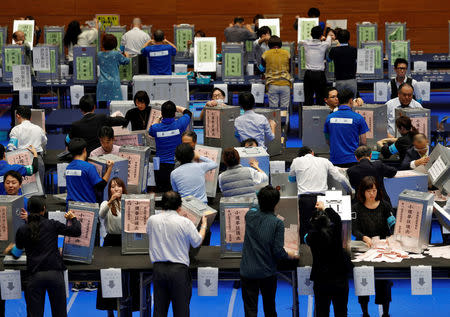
76, 287
90, 287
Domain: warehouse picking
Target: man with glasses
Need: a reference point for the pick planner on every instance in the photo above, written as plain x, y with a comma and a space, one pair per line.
400, 67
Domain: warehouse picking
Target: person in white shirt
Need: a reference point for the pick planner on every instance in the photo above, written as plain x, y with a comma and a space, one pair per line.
170, 237
76, 36
133, 40
315, 81
404, 100
25, 134
400, 67
311, 174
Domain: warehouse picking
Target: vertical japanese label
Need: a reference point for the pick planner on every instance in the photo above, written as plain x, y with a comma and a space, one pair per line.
212, 124
86, 218
183, 35
421, 124
409, 218
235, 224
368, 116
85, 68
137, 212
134, 164
3, 224
212, 155
233, 64
22, 158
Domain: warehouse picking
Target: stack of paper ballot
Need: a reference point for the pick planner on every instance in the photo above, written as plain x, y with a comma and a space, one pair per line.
387, 250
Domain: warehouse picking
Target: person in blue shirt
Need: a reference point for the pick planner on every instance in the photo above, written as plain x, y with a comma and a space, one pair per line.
167, 134
189, 178
83, 181
24, 170
345, 131
159, 52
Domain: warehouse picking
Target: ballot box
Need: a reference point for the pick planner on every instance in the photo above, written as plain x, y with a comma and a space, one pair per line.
163, 87
136, 209
281, 182
313, 121
247, 154
287, 211
120, 168
275, 146
80, 249
376, 119
138, 158
31, 185
366, 32
182, 34
413, 221
10, 208
342, 205
123, 136
3, 36
85, 64
233, 61
290, 47
194, 209
37, 117
398, 49
121, 105
379, 67
394, 31
420, 119
54, 35
12, 55
219, 126
232, 224
53, 73
439, 168
403, 180
126, 72
211, 177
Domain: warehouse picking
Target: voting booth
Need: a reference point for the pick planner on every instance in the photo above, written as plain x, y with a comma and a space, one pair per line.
138, 158
420, 119
219, 126
376, 119
413, 221
408, 179
12, 55
85, 64
3, 36
280, 181
163, 87
394, 31
10, 208
31, 185
194, 209
136, 209
366, 32
275, 146
53, 52
54, 35
313, 121
233, 62
439, 168
80, 249
211, 177
379, 67
247, 154
398, 49
121, 105
182, 34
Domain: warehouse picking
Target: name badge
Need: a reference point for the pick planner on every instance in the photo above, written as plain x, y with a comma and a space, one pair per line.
160, 53
73, 172
165, 134
1, 179
342, 120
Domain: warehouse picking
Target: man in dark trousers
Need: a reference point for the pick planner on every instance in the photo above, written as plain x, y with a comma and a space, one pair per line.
366, 167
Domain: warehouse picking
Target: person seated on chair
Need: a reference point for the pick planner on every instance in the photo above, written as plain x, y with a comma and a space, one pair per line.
418, 155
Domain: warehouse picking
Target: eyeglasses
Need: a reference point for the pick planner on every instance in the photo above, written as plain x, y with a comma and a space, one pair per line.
401, 68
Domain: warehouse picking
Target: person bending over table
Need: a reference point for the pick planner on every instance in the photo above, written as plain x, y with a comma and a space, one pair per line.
217, 99
418, 155
171, 235
374, 218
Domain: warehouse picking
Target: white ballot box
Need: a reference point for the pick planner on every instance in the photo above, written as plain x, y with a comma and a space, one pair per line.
219, 126
408, 179
247, 154
138, 158
439, 168
163, 87
10, 208
376, 119
121, 105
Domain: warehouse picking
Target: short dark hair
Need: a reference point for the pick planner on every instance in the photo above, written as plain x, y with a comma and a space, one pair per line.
246, 100
263, 30
168, 109
345, 95
268, 198
106, 132
219, 90
248, 141
200, 32
238, 20
363, 151
231, 157
275, 41
400, 60
24, 112
158, 35
405, 122
76, 146
109, 42
141, 96
313, 13
190, 134
184, 153
405, 85
257, 17
367, 183
304, 150
171, 200
343, 36
316, 32
87, 103
14, 174
328, 90
2, 151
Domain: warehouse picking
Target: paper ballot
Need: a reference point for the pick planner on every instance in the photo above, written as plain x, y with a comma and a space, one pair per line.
364, 280
61, 172
208, 278
423, 90
10, 286
76, 92
381, 91
421, 280
305, 285
111, 282
41, 58
26, 97
365, 61
66, 282
258, 92
21, 77
299, 93
224, 87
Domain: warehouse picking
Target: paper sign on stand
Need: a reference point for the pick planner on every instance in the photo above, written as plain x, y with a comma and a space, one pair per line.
365, 61
21, 77
41, 58
258, 92
111, 283
340, 203
205, 54
421, 280
26, 97
76, 92
224, 87
340, 23
364, 280
381, 91
299, 92
305, 285
208, 278
273, 24
61, 172
420, 66
423, 90
304, 28
66, 282
10, 285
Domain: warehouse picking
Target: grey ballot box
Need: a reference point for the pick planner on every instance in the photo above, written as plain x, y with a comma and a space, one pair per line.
136, 208
281, 182
194, 209
439, 168
403, 180
313, 121
10, 208
211, 177
275, 146
413, 221
163, 87
420, 119
376, 119
53, 73
123, 136
12, 55
366, 32
85, 64
138, 158
121, 105
219, 126
55, 35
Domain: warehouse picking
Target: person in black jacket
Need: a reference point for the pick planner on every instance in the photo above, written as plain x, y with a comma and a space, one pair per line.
139, 116
366, 167
331, 264
45, 266
88, 126
418, 154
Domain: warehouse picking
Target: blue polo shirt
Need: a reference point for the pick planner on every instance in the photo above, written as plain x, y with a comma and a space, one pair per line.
344, 128
160, 58
81, 177
167, 136
5, 167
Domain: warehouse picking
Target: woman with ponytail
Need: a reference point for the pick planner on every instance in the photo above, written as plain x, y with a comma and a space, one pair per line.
39, 239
